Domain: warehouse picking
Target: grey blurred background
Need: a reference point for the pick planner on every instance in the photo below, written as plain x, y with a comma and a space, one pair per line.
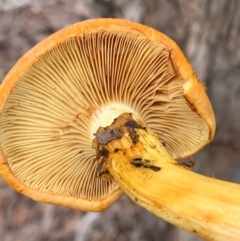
208, 33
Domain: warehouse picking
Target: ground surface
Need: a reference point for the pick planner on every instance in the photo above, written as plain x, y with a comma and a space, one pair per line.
207, 31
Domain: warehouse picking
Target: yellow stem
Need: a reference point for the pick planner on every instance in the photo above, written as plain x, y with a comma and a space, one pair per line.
206, 207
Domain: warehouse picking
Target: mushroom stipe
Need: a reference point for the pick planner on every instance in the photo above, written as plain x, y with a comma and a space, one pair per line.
108, 134
133, 84
168, 193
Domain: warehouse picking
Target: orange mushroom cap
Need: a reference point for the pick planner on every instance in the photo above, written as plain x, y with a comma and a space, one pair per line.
82, 77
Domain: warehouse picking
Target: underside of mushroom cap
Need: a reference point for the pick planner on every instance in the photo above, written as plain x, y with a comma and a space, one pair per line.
52, 109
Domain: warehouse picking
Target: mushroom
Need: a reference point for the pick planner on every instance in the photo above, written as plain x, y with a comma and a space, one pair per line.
87, 75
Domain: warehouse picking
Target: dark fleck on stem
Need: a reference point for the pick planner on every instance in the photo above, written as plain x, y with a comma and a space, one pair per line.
145, 163
134, 124
133, 134
187, 165
103, 153
116, 150
100, 165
